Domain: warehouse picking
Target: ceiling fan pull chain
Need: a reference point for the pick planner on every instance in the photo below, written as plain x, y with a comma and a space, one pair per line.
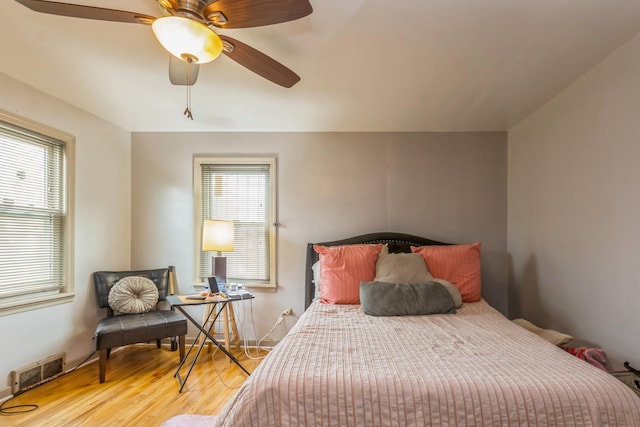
187, 111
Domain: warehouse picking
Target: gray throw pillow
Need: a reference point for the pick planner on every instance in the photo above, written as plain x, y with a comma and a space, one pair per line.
455, 293
393, 299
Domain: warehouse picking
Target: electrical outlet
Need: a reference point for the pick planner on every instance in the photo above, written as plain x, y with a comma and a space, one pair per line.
287, 311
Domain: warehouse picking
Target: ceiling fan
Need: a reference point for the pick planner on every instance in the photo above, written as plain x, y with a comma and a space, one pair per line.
186, 31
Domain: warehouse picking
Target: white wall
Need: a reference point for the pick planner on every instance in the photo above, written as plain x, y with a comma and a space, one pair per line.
574, 208
447, 186
102, 230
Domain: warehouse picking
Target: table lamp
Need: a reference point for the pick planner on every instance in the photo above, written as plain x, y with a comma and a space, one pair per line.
217, 236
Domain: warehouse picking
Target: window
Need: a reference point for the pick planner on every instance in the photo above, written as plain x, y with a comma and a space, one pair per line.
35, 222
242, 190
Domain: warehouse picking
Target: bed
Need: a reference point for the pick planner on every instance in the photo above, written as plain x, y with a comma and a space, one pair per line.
341, 367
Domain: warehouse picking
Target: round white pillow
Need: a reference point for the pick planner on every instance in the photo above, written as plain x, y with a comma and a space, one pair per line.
133, 295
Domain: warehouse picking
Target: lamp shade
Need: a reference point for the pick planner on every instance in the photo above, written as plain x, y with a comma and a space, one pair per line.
186, 38
217, 235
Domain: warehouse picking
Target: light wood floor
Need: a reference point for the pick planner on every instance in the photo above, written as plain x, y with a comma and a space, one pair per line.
139, 390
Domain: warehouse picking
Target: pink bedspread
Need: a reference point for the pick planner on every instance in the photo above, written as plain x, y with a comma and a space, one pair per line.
340, 367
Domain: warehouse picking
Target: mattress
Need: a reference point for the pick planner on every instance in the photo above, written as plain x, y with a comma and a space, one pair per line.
340, 367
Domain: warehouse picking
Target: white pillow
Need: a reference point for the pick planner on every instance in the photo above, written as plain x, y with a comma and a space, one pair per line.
407, 268
553, 336
315, 268
133, 295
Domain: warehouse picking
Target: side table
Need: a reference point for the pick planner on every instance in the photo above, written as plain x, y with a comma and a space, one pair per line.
215, 306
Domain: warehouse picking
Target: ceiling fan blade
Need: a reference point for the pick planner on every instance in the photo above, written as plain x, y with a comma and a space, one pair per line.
87, 12
179, 73
258, 62
255, 13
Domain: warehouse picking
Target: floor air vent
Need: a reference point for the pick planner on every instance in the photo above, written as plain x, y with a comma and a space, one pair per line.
37, 373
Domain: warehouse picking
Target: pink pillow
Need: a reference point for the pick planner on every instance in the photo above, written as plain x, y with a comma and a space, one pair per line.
459, 264
342, 268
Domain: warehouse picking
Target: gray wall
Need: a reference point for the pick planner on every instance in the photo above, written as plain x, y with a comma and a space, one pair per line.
572, 213
574, 207
102, 231
447, 186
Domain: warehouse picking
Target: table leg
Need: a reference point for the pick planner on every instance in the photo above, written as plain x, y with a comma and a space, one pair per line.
225, 320
207, 333
234, 328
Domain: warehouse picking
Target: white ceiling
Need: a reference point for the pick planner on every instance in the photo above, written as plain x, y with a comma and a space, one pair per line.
404, 65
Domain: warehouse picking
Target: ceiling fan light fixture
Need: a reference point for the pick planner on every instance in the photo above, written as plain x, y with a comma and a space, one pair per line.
184, 37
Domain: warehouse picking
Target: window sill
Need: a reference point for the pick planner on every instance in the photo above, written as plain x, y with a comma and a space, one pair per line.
255, 287
19, 306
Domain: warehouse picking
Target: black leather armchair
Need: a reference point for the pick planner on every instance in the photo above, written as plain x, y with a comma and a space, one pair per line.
117, 331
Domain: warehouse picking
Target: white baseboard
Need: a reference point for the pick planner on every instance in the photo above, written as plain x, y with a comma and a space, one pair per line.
5, 393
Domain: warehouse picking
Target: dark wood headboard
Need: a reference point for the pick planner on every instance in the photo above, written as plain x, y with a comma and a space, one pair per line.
397, 242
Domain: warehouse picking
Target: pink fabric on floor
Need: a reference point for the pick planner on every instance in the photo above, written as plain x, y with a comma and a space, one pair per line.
595, 356
188, 420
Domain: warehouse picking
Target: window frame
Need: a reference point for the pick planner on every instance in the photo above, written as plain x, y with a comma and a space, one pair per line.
37, 300
271, 160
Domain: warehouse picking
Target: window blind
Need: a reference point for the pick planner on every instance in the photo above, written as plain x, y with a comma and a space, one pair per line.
32, 212
240, 193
